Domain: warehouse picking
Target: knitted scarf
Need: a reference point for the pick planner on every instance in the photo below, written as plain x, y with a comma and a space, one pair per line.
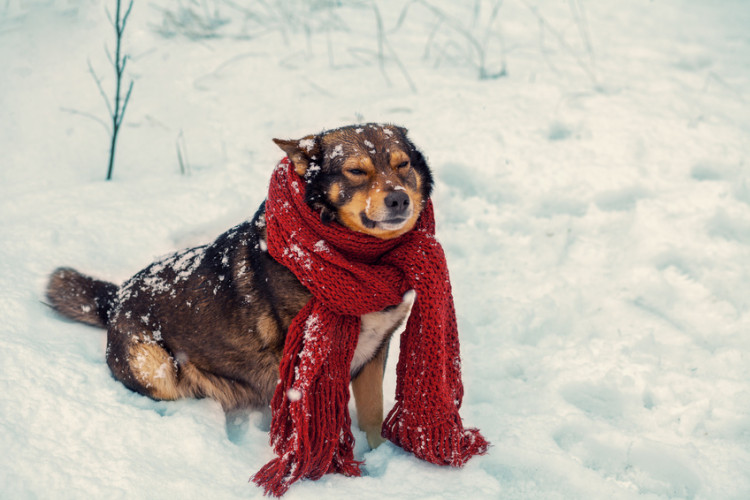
350, 274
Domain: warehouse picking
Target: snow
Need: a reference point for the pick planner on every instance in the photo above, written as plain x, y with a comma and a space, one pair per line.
298, 254
337, 151
307, 144
592, 195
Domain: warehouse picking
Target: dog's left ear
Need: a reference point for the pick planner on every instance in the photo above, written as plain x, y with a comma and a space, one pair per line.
302, 152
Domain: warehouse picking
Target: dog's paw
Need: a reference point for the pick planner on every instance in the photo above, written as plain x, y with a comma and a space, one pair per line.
374, 439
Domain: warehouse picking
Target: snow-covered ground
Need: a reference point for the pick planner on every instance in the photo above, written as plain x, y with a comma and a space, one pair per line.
592, 195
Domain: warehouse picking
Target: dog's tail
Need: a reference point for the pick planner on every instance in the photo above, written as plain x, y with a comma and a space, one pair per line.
81, 298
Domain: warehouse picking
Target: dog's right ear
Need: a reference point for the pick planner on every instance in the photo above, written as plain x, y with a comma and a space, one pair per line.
302, 153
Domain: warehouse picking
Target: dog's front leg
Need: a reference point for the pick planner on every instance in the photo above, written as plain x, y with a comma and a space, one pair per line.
368, 397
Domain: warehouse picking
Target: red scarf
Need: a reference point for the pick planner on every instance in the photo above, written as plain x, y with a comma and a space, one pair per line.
350, 274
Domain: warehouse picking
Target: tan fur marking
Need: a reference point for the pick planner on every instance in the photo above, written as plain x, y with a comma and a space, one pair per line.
231, 394
418, 181
359, 163
368, 397
268, 329
334, 192
154, 368
365, 163
397, 158
300, 166
349, 213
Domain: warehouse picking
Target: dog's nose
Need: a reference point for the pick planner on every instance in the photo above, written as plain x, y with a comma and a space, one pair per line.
397, 202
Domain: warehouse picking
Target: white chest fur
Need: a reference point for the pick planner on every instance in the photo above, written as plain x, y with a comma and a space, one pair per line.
377, 326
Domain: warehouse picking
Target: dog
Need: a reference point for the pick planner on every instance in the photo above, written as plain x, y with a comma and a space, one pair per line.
211, 321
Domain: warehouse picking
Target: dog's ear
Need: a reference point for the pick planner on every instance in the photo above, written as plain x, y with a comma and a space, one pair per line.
302, 152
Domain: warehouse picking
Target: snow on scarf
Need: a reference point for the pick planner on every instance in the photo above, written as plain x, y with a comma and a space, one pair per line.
350, 274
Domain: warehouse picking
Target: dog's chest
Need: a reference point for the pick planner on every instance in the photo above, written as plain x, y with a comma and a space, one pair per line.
376, 327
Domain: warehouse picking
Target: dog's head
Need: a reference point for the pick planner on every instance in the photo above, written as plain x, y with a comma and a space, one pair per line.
369, 178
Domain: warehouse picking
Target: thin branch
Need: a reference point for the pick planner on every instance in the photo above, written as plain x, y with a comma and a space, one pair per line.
109, 16
216, 72
402, 16
109, 55
127, 14
475, 13
454, 24
431, 37
723, 83
401, 66
583, 28
381, 43
317, 87
493, 17
561, 40
99, 86
487, 34
460, 29
180, 146
125, 104
117, 110
87, 115
329, 44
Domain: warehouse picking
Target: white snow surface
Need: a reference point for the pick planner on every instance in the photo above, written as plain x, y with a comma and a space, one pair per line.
592, 195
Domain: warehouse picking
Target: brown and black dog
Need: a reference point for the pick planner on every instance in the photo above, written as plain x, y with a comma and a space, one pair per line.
211, 321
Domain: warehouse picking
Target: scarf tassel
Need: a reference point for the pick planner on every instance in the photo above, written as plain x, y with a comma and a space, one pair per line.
280, 473
310, 427
442, 443
297, 461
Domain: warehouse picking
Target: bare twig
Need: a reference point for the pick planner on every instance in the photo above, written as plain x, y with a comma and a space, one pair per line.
723, 83
561, 40
99, 86
120, 104
382, 43
87, 115
109, 17
479, 48
431, 37
583, 27
401, 66
127, 14
216, 72
125, 103
182, 154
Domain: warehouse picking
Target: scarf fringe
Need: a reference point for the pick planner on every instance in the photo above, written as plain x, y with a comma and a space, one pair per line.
276, 476
442, 443
310, 430
280, 473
